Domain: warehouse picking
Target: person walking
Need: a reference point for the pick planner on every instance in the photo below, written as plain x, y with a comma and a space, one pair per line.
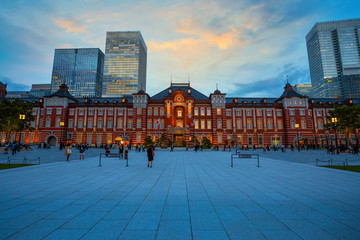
82, 153
68, 151
150, 155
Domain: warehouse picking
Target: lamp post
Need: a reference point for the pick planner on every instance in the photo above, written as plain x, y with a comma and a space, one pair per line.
298, 137
334, 121
61, 136
21, 117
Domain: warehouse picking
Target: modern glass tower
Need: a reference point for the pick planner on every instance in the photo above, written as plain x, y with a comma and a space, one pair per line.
125, 64
81, 69
334, 58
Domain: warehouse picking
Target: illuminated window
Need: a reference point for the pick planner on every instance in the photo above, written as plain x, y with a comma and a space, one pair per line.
228, 124
218, 111
149, 124
249, 123
130, 123
208, 111
259, 123
179, 113
280, 124
138, 123
270, 123
202, 124
196, 124
202, 111
162, 111
57, 122
196, 111
259, 113
208, 124
238, 124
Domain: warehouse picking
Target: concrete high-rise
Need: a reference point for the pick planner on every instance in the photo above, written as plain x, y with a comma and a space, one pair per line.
81, 69
125, 64
334, 58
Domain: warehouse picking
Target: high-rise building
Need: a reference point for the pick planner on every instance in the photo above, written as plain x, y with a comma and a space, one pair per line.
81, 69
40, 90
125, 64
304, 89
334, 58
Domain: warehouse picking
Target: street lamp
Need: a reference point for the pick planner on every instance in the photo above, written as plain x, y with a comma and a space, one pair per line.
334, 120
21, 117
298, 138
62, 137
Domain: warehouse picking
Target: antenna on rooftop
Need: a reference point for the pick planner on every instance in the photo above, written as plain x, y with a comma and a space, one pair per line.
217, 86
287, 79
189, 79
171, 79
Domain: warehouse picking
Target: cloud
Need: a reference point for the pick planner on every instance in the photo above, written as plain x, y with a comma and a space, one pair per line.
71, 26
13, 85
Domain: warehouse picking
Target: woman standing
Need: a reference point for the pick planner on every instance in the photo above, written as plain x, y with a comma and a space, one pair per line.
68, 151
150, 155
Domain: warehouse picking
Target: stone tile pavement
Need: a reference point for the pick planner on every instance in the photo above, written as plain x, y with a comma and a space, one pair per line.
186, 195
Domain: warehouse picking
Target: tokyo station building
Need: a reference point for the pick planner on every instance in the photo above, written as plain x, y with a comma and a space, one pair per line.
181, 113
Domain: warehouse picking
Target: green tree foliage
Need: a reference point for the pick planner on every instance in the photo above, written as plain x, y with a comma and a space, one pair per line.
206, 143
163, 139
348, 120
10, 112
148, 141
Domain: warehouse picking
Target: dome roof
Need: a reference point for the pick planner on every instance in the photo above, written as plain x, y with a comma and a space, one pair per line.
217, 92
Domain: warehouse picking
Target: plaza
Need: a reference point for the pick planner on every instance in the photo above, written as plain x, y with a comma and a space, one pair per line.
186, 195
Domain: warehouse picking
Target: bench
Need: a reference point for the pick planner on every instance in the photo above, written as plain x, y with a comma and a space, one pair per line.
239, 155
112, 155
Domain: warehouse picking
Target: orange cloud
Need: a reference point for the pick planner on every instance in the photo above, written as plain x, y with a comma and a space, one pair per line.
71, 26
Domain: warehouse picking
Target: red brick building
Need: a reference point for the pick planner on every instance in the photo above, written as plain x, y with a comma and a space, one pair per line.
182, 114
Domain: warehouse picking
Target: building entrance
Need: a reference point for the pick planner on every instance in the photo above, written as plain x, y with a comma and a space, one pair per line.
178, 139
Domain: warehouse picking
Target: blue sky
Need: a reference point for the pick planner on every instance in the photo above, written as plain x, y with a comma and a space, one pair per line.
248, 47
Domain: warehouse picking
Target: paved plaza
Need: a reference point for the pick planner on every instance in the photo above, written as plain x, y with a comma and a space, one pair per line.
186, 195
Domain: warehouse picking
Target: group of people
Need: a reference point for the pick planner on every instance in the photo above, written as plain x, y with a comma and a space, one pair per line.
15, 147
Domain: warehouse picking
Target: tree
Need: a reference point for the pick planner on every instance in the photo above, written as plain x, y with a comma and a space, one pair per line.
163, 138
10, 121
206, 143
347, 120
148, 141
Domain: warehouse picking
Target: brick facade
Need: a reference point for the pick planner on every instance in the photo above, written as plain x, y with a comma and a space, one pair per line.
182, 113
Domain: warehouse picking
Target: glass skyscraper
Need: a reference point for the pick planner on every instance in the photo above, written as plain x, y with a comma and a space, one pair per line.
81, 69
334, 58
125, 64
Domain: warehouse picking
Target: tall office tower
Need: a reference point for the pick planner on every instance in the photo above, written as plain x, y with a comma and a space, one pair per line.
81, 69
334, 58
125, 64
304, 89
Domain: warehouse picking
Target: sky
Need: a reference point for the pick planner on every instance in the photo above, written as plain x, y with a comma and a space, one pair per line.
248, 47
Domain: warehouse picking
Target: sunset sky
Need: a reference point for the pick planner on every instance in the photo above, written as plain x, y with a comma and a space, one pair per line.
246, 46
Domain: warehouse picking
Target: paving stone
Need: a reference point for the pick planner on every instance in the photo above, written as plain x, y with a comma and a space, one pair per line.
137, 235
210, 235
198, 192
174, 229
